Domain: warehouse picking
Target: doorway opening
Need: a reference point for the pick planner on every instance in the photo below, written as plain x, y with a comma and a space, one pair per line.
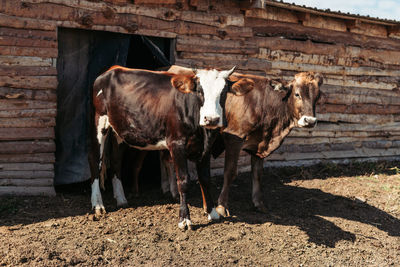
82, 56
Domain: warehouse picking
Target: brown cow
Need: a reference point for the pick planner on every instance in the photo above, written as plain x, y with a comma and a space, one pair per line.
259, 120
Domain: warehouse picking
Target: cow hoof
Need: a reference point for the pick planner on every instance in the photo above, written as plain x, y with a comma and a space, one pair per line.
222, 211
213, 216
185, 223
122, 205
261, 208
99, 211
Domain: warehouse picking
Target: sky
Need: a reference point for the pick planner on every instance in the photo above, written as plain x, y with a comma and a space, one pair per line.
383, 9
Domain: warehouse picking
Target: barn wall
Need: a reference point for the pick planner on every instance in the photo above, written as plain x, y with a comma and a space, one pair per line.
359, 113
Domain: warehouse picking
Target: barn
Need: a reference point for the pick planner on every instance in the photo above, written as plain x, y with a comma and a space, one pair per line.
52, 50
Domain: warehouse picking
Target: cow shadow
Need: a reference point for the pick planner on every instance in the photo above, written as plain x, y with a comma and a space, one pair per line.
308, 209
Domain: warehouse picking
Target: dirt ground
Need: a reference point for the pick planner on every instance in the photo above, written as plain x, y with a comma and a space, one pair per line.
326, 215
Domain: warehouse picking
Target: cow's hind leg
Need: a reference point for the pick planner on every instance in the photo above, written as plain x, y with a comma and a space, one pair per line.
98, 137
117, 154
256, 173
139, 157
203, 172
177, 149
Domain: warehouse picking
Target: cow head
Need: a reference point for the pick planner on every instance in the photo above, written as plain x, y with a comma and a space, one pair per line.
302, 96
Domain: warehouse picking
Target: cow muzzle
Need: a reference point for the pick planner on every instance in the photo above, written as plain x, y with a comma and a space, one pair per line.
307, 121
210, 122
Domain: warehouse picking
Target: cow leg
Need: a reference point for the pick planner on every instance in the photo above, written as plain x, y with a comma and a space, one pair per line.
177, 149
118, 151
203, 171
233, 145
256, 173
140, 155
97, 137
168, 178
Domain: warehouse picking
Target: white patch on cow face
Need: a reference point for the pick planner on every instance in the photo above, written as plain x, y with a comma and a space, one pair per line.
103, 123
118, 190
97, 201
307, 121
161, 145
212, 82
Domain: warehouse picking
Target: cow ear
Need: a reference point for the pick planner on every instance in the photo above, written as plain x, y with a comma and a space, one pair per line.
282, 87
183, 83
242, 86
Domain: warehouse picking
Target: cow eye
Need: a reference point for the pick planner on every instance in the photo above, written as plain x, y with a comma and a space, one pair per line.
297, 95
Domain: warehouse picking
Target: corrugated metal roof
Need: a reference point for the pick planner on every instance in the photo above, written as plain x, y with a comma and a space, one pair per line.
329, 12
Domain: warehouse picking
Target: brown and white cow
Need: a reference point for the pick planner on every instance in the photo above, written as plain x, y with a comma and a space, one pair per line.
259, 120
151, 110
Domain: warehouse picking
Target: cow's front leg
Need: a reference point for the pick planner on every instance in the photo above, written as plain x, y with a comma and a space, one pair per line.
233, 145
168, 178
203, 172
256, 173
140, 155
177, 149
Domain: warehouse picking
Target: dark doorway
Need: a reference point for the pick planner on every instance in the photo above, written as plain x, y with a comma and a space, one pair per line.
82, 56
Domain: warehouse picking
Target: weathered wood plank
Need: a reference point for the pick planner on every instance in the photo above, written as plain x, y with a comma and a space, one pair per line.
26, 182
26, 23
26, 167
27, 191
29, 82
27, 94
27, 147
272, 28
28, 113
349, 99
22, 104
383, 134
27, 61
27, 71
15, 134
333, 52
25, 42
27, 157
394, 126
291, 140
358, 118
241, 65
358, 108
28, 33
26, 174
27, 122
41, 52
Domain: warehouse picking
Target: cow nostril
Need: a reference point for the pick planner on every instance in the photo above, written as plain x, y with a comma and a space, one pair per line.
208, 120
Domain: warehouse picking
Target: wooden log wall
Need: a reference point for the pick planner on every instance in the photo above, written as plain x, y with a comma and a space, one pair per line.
359, 113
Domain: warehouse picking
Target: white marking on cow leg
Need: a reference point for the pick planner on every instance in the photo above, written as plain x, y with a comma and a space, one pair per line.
185, 223
99, 93
103, 123
213, 216
97, 201
118, 190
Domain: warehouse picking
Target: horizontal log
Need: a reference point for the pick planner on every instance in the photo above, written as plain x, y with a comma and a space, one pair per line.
27, 182
292, 140
26, 94
27, 71
25, 42
199, 44
358, 118
28, 33
272, 28
15, 134
41, 52
26, 157
241, 65
22, 104
359, 108
339, 134
349, 99
28, 113
394, 126
27, 122
332, 51
27, 61
29, 82
26, 174
26, 167
26, 23
27, 191
27, 147
346, 90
